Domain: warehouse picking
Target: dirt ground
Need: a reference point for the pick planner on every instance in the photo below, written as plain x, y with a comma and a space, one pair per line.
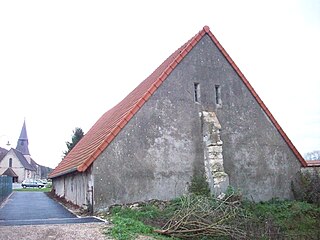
80, 231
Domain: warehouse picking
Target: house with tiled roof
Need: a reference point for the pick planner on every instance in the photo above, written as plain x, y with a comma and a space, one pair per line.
17, 162
195, 115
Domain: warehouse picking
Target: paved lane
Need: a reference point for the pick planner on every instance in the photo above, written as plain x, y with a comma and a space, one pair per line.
34, 208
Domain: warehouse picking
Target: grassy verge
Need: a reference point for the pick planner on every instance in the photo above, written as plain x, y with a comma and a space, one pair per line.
270, 220
295, 219
30, 189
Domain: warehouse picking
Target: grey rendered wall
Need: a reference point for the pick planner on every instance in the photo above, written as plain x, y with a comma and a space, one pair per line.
256, 157
158, 151
75, 187
156, 154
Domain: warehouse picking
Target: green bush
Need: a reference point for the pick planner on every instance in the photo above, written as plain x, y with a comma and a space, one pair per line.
199, 186
306, 186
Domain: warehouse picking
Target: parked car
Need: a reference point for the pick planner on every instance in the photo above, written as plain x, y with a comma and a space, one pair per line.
44, 181
32, 183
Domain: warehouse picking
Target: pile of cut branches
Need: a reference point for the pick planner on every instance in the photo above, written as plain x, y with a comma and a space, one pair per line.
201, 216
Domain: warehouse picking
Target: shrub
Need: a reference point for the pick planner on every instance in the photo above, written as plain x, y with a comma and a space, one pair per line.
306, 186
199, 185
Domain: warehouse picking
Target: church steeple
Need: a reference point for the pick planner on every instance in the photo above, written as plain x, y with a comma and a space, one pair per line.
22, 144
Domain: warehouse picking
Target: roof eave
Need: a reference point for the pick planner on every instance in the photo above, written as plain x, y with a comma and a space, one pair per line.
63, 173
313, 163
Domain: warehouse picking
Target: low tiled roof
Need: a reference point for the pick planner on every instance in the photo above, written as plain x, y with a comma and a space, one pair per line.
313, 163
111, 123
10, 172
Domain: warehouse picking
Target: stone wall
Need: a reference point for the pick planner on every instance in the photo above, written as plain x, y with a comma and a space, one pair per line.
218, 179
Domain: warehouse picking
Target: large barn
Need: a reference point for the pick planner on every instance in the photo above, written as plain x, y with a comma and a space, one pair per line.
195, 114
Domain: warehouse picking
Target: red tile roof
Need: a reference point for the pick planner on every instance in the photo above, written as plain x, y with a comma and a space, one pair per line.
313, 163
111, 123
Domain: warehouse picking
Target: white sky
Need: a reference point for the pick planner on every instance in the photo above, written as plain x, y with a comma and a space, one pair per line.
64, 63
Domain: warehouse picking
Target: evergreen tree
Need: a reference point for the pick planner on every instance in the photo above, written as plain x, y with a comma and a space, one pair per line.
77, 135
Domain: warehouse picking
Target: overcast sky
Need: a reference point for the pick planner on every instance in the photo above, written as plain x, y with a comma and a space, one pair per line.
64, 63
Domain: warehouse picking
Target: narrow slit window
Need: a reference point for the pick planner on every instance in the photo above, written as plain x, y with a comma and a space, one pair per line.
218, 95
10, 162
196, 92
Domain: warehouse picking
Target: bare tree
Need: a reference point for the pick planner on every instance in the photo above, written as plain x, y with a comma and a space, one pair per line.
315, 155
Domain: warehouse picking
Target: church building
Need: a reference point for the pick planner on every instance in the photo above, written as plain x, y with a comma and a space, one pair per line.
17, 162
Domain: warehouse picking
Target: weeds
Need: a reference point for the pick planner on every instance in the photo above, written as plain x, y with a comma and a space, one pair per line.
293, 218
306, 186
134, 220
209, 218
128, 228
199, 185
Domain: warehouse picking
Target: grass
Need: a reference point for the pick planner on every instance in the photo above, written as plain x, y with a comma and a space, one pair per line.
131, 222
35, 189
284, 219
128, 228
294, 218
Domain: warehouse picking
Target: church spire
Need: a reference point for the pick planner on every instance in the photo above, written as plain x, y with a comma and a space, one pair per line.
22, 144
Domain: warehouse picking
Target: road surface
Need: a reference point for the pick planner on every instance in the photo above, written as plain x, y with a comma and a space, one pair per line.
36, 208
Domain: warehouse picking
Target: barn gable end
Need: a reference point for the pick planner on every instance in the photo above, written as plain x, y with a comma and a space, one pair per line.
158, 152
152, 143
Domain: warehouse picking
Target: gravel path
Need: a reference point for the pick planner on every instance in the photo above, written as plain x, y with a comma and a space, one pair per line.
81, 231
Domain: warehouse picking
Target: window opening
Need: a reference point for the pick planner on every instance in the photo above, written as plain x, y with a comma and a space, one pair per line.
196, 92
10, 162
218, 95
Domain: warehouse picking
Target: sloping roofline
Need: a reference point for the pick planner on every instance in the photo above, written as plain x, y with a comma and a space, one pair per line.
79, 159
23, 160
3, 152
10, 172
